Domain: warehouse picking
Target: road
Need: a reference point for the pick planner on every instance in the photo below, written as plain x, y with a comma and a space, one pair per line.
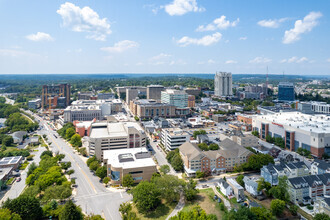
17, 187
92, 196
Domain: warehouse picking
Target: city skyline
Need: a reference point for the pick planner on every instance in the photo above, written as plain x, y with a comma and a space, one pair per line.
173, 36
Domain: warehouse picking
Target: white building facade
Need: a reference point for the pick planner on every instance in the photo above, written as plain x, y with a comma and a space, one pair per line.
223, 85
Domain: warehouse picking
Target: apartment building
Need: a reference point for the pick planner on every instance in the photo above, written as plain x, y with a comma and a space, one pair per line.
178, 98
155, 91
148, 108
313, 107
191, 101
134, 161
217, 161
272, 172
117, 135
310, 132
34, 104
172, 138
307, 188
223, 85
320, 167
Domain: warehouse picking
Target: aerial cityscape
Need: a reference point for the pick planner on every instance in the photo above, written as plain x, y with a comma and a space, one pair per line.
165, 110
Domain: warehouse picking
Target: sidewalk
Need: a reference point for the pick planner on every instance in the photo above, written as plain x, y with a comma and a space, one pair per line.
177, 208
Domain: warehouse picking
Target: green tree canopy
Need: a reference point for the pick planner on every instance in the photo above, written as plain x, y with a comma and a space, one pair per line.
146, 196
6, 214
27, 207
128, 181
69, 133
70, 212
277, 206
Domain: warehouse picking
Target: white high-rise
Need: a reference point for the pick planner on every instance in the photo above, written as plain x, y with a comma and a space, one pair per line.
223, 84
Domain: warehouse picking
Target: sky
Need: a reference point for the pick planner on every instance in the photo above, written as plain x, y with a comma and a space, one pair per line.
165, 36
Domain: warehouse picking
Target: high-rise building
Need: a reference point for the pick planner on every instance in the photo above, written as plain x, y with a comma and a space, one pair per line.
154, 91
191, 101
178, 98
223, 84
51, 93
286, 91
131, 93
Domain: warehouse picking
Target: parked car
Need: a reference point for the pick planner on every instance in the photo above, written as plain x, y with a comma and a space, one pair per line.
18, 179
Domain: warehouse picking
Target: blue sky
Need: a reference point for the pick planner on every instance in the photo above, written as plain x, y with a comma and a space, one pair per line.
165, 36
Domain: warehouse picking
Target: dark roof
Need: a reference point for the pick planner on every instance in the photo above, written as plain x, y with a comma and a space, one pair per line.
303, 182
321, 164
224, 183
327, 200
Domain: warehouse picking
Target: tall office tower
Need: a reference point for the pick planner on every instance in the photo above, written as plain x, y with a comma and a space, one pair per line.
178, 98
55, 95
223, 84
286, 91
154, 91
131, 93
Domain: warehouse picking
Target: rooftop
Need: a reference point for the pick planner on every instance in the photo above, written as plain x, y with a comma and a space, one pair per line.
314, 123
10, 160
4, 172
109, 130
129, 158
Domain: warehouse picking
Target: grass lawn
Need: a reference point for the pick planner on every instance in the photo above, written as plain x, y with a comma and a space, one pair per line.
24, 165
10, 181
160, 213
206, 202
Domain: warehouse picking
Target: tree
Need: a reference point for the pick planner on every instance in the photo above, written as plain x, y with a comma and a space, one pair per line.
203, 146
70, 172
277, 206
106, 180
136, 118
32, 167
243, 213
76, 140
281, 190
263, 185
177, 163
93, 217
31, 191
190, 191
240, 181
197, 213
321, 216
196, 133
69, 133
293, 209
90, 160
65, 165
200, 174
47, 152
6, 214
262, 213
128, 180
94, 165
27, 207
164, 169
213, 147
101, 172
7, 140
146, 196
169, 186
255, 133
70, 212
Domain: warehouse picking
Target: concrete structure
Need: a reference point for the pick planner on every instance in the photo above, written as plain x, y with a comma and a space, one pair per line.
145, 108
2, 122
244, 140
286, 91
121, 90
83, 128
310, 132
193, 91
85, 95
218, 161
117, 135
135, 161
223, 84
191, 101
272, 172
219, 118
106, 95
251, 186
307, 188
172, 138
53, 92
322, 205
320, 167
247, 119
237, 189
4, 176
225, 188
34, 140
131, 93
177, 98
13, 162
314, 107
154, 91
34, 104
199, 122
87, 110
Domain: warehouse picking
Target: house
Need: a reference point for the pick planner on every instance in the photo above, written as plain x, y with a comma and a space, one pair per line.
274, 152
285, 157
237, 189
4, 176
18, 136
307, 188
322, 205
34, 140
225, 188
320, 167
251, 186
272, 172
203, 138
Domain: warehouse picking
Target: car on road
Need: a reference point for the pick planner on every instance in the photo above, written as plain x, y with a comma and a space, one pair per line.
155, 140
18, 179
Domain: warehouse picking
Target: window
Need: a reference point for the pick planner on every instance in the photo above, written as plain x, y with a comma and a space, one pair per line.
137, 178
115, 175
136, 172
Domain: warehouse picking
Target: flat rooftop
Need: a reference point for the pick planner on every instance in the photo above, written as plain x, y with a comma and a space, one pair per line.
109, 130
4, 172
10, 160
298, 120
129, 158
176, 131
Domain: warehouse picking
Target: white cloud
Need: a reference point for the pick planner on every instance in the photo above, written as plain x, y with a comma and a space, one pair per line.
231, 62
328, 60
204, 41
160, 56
243, 38
177, 62
260, 60
39, 36
301, 26
121, 46
16, 53
294, 59
84, 20
218, 23
271, 23
181, 7
210, 61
